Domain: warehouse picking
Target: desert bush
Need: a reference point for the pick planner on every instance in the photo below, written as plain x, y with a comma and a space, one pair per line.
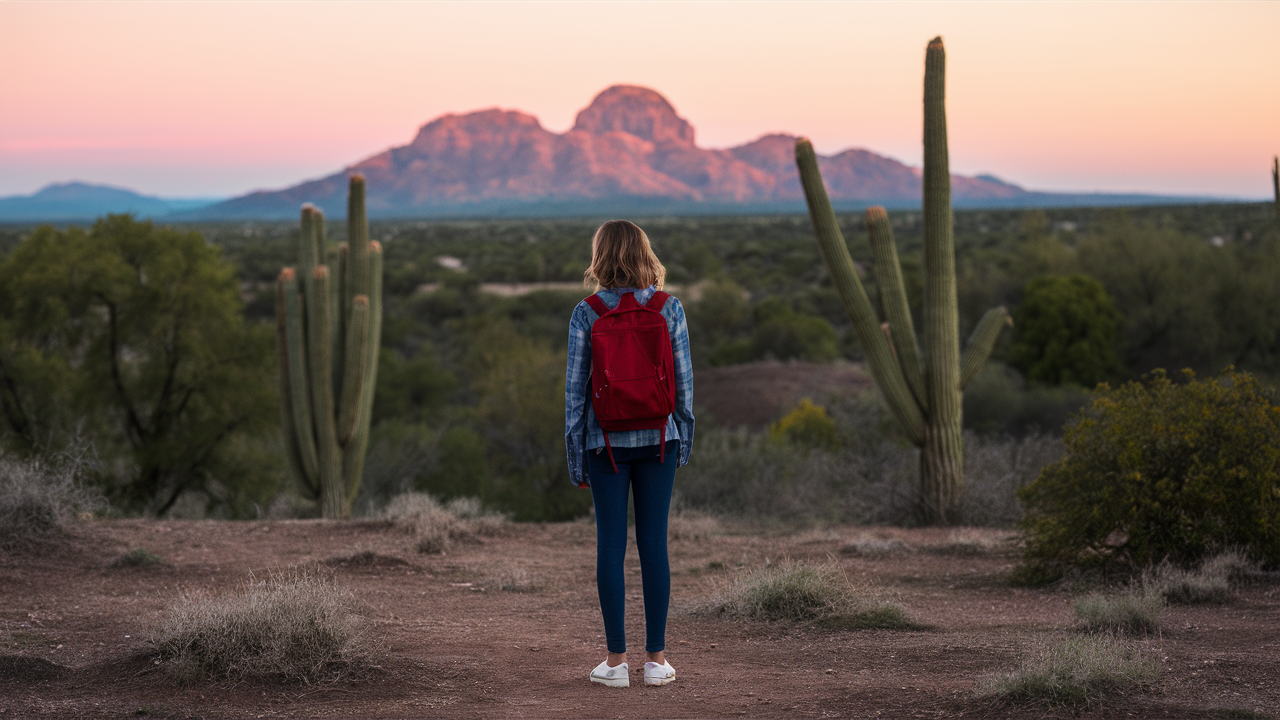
1077, 672
294, 625
1137, 612
1066, 331
808, 425
38, 496
435, 527
1157, 470
820, 594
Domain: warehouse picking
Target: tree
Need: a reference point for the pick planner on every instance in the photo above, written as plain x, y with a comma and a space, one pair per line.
133, 335
1065, 331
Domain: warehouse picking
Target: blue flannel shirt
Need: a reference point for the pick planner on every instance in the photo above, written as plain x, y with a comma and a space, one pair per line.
581, 430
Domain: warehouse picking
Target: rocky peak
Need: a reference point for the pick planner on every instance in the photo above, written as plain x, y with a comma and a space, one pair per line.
638, 111
487, 122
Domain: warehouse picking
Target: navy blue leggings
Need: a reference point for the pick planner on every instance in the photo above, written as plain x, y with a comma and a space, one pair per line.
650, 482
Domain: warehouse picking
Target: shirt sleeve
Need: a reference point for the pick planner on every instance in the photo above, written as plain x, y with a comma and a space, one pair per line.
577, 376
679, 330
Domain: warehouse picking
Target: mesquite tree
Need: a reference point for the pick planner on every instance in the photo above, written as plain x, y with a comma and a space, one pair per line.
924, 394
328, 335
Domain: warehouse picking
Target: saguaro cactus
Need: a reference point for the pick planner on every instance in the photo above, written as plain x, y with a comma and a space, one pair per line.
328, 332
1275, 183
924, 396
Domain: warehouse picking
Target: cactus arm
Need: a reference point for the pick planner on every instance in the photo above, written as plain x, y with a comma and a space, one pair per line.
341, 308
299, 392
353, 461
893, 298
354, 372
884, 369
285, 285
320, 349
307, 258
357, 238
981, 341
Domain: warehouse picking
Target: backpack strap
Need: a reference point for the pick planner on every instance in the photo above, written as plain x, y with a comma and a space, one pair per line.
597, 304
657, 301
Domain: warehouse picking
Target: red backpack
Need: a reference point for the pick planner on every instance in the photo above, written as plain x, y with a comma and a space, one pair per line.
633, 386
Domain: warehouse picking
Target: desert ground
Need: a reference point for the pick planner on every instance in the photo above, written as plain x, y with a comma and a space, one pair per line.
452, 642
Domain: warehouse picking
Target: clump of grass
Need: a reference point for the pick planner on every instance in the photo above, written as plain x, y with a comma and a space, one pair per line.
1077, 672
692, 525
1136, 612
137, 557
508, 578
435, 527
295, 625
868, 546
972, 541
1211, 583
820, 594
39, 496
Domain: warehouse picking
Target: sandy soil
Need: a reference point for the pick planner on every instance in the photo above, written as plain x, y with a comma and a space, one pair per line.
73, 629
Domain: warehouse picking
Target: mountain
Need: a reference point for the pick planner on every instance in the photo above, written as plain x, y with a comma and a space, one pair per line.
628, 149
83, 201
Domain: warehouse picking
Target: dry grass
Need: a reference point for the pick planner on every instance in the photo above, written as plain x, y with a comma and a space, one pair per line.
436, 527
973, 541
1075, 673
819, 594
293, 625
39, 496
870, 546
1137, 612
692, 525
1211, 583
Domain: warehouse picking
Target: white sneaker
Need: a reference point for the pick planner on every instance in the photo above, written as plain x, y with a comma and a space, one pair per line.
616, 676
655, 674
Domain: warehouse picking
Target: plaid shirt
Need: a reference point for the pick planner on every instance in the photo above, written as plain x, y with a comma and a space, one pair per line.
581, 430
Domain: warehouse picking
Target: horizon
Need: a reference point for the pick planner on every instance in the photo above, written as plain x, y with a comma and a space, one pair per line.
1092, 99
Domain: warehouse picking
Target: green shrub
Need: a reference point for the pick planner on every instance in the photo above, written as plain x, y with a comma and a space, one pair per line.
808, 425
1135, 613
1157, 470
1065, 331
1077, 672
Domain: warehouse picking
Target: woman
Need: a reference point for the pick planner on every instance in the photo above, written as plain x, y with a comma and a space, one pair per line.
636, 461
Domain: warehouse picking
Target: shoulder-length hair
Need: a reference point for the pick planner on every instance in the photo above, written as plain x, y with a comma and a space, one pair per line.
622, 257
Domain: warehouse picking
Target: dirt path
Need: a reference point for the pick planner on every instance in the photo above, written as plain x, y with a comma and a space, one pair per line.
72, 630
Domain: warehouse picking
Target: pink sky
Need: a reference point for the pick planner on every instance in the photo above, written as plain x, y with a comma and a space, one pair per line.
220, 98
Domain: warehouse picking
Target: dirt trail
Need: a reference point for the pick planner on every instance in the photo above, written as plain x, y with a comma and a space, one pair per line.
73, 628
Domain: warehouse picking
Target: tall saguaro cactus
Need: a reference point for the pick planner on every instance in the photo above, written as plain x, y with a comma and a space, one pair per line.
329, 326
923, 394
1275, 183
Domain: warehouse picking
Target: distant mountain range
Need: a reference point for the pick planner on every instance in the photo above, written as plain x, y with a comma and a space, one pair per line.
84, 201
628, 152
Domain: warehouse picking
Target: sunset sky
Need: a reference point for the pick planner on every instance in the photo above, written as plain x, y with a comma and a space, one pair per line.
220, 98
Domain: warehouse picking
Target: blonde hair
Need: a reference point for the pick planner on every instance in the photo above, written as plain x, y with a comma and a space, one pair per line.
622, 257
